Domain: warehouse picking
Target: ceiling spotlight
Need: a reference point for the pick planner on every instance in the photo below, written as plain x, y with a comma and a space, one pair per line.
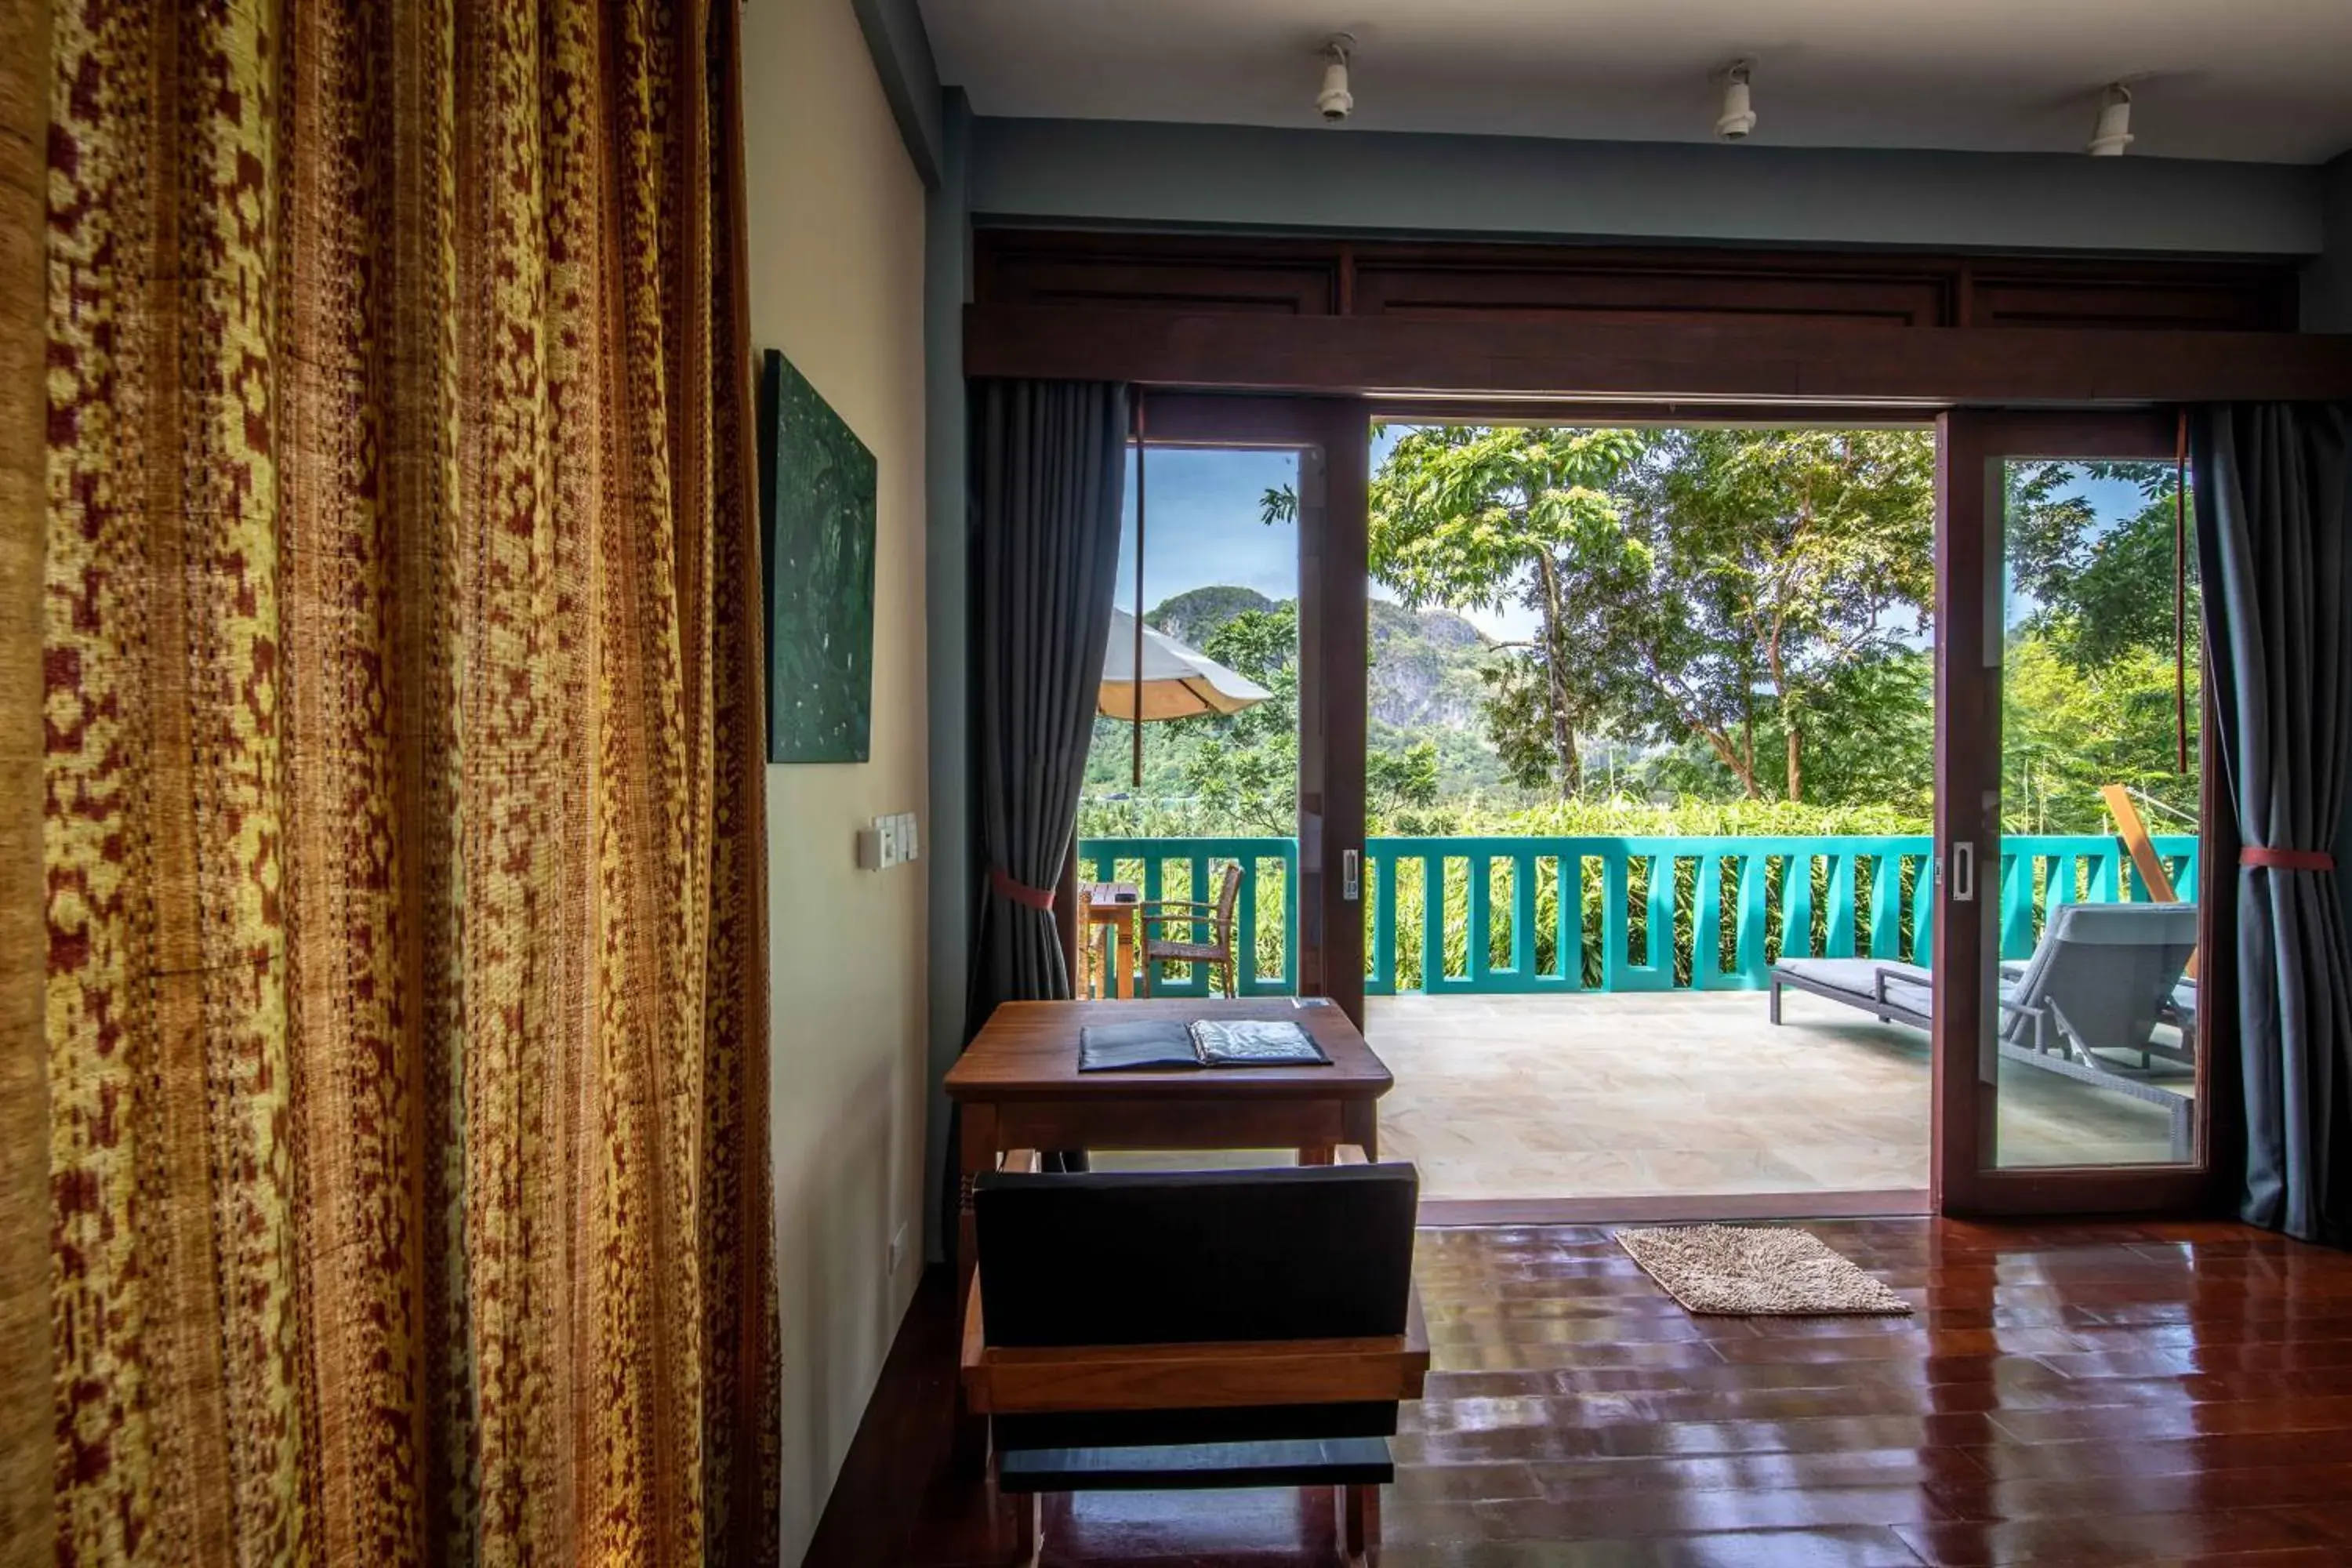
1335, 104
1738, 117
2113, 134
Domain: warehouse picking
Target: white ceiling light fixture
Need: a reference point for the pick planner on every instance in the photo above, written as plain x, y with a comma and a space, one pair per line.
1335, 103
2112, 134
1738, 116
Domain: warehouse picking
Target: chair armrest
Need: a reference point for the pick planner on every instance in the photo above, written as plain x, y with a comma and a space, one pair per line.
974, 1350
1416, 1327
1416, 1341
1022, 1162
2040, 1015
1213, 1375
1882, 975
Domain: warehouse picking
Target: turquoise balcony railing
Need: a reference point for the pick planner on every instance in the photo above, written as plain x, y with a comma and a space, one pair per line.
1618, 913
1266, 962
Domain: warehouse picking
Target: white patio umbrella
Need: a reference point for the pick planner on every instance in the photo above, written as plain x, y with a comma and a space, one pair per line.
1177, 682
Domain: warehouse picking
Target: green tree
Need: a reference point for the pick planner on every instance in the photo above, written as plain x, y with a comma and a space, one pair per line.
1518, 708
1474, 517
2088, 687
1244, 767
2067, 729
2098, 589
1783, 562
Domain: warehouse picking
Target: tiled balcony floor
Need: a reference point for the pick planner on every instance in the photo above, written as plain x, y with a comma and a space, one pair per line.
1695, 1094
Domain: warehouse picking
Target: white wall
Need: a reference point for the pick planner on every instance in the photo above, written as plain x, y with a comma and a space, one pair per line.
837, 283
947, 276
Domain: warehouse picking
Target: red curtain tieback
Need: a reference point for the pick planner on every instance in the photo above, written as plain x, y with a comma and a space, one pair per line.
2286, 859
1019, 892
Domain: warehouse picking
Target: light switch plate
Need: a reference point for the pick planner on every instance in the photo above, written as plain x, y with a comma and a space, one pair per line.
890, 841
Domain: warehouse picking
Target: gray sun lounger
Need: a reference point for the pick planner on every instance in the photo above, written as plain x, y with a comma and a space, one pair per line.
2087, 1002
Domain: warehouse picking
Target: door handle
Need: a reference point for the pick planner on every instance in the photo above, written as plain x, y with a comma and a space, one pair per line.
1351, 875
1964, 872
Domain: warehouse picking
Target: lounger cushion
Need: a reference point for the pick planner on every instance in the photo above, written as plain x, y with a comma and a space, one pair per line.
1907, 985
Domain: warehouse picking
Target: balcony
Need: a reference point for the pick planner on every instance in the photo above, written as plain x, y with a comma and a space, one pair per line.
1570, 1024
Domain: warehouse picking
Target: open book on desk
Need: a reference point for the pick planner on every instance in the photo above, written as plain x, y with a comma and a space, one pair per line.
1162, 1044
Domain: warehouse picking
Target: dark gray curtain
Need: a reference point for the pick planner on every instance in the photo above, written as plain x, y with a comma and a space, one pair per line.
1049, 461
2274, 513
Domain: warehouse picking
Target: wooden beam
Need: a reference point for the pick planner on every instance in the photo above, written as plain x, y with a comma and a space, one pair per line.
1726, 360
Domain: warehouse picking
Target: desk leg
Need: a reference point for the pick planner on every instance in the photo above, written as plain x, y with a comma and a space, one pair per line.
1362, 1120
1363, 1505
1316, 1154
1126, 951
979, 1155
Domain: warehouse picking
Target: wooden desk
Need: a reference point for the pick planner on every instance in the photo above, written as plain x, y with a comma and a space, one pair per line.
1019, 1087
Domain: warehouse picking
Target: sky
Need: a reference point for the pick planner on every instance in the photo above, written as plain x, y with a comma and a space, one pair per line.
1203, 529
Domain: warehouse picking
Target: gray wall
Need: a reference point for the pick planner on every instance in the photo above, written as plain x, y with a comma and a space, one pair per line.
909, 78
946, 286
2328, 285
1112, 172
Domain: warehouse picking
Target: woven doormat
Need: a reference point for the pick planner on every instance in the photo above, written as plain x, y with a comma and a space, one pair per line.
1756, 1271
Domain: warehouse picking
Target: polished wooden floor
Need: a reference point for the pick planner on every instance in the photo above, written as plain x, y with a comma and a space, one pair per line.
2091, 1393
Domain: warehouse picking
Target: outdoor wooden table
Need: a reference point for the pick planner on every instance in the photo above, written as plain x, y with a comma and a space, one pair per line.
1120, 969
1019, 1087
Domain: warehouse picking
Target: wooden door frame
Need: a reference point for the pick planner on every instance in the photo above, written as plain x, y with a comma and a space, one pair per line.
1334, 630
1971, 616
1333, 724
1697, 361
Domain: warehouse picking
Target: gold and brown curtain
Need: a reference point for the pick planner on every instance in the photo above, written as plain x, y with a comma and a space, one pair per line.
405, 1006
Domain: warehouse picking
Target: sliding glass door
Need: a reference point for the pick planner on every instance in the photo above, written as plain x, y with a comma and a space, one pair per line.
2072, 948
1220, 803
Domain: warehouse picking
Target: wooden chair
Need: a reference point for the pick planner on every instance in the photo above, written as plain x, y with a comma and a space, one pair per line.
1216, 920
1192, 1329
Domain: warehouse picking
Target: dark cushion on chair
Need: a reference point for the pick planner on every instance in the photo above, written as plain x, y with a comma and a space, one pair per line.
1159, 1258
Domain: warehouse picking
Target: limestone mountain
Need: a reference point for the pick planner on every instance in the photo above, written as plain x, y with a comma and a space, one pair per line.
1422, 683
1193, 617
1425, 670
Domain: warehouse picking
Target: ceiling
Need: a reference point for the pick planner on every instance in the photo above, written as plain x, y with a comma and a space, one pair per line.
2266, 81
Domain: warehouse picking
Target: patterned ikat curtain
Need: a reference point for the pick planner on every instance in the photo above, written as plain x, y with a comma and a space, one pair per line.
405, 955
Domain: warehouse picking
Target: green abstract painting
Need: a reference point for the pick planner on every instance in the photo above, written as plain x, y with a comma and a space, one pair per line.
816, 518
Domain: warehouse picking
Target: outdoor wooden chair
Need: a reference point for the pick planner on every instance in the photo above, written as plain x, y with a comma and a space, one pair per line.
1196, 920
1142, 1331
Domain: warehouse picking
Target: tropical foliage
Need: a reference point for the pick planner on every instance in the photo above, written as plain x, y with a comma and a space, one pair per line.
1723, 617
